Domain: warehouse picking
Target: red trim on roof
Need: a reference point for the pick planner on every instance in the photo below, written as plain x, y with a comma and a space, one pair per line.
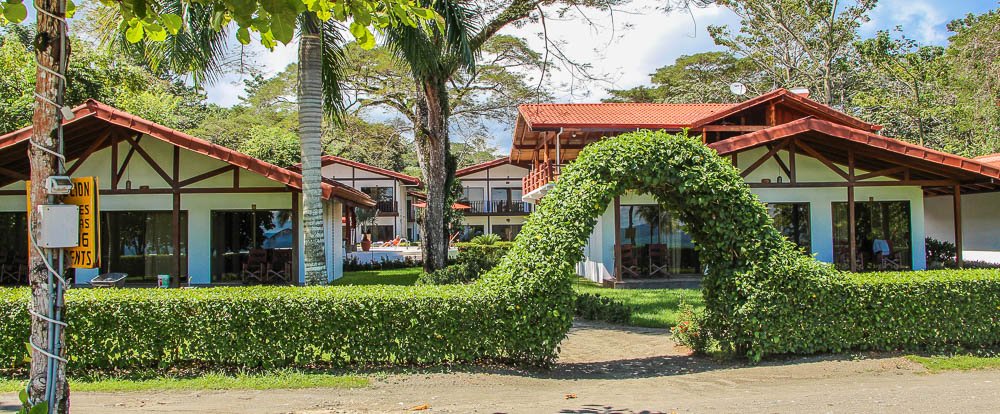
94, 109
333, 159
755, 139
482, 166
793, 98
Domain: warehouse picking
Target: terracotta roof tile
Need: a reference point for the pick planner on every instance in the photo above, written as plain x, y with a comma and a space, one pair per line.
617, 115
990, 159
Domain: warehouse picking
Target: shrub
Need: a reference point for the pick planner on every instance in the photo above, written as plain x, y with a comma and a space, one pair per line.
688, 331
354, 264
486, 239
265, 326
940, 253
595, 307
473, 261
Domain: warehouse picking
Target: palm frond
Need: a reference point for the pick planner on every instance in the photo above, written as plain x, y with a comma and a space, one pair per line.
431, 52
196, 50
334, 61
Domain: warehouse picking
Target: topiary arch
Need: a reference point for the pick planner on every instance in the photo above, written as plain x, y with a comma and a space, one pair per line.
748, 263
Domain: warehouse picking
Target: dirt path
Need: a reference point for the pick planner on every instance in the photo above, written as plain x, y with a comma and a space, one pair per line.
612, 370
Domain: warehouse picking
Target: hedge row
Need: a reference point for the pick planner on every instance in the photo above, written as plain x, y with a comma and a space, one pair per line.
268, 326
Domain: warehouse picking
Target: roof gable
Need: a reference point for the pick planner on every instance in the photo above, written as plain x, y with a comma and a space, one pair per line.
791, 100
333, 159
94, 117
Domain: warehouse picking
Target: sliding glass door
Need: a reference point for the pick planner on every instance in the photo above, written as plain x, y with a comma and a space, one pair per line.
882, 235
141, 243
642, 226
234, 233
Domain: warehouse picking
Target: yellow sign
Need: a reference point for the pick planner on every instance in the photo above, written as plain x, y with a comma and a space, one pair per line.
85, 195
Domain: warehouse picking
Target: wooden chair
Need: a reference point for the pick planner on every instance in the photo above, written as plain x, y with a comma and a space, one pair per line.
630, 261
255, 267
16, 271
280, 269
659, 260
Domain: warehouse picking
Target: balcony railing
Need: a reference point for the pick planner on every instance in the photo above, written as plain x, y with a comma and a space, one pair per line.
498, 207
386, 206
539, 176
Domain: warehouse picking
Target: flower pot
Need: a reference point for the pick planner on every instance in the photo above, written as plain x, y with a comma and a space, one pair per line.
366, 243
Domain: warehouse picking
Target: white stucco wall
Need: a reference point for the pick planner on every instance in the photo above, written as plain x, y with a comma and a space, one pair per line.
598, 263
980, 224
199, 207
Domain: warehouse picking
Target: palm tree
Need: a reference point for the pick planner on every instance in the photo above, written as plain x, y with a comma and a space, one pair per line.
202, 51
434, 56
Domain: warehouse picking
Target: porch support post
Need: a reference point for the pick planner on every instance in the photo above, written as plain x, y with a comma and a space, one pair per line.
957, 201
618, 239
852, 242
296, 251
176, 217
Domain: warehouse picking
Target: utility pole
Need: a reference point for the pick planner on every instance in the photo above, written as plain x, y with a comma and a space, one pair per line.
47, 383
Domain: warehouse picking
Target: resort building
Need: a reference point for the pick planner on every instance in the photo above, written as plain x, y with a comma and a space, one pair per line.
395, 214
172, 204
834, 186
492, 192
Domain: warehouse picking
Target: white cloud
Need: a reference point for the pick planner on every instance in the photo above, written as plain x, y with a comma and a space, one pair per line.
921, 20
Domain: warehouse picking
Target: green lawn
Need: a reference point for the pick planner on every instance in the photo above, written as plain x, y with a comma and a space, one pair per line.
653, 308
285, 379
401, 277
956, 362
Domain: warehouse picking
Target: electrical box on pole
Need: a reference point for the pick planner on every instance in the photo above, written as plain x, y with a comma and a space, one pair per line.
59, 226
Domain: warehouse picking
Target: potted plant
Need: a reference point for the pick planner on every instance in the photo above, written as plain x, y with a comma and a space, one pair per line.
366, 219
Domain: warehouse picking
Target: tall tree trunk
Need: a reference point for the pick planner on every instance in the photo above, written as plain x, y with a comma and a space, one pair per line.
432, 154
48, 48
310, 134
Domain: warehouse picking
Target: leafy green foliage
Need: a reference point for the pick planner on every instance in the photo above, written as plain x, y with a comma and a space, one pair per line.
474, 260
486, 239
940, 253
701, 77
688, 331
651, 308
595, 307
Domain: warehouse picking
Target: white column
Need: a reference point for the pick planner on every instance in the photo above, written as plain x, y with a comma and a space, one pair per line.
337, 244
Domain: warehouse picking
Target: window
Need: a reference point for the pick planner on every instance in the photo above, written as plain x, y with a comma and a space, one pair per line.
141, 243
643, 225
475, 198
507, 200
383, 196
382, 233
882, 235
792, 220
507, 232
234, 233
14, 247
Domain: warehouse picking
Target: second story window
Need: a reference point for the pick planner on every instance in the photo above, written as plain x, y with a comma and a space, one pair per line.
384, 198
476, 198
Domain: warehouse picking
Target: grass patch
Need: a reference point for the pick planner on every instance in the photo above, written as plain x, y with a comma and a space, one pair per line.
652, 308
208, 381
406, 276
956, 362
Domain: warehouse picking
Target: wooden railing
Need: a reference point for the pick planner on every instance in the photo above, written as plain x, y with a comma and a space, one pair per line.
386, 206
539, 176
498, 207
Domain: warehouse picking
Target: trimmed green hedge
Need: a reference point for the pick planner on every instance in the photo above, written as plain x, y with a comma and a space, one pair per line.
266, 326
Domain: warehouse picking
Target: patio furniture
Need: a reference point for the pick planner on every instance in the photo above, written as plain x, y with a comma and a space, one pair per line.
886, 257
659, 260
16, 271
107, 280
630, 261
255, 267
280, 268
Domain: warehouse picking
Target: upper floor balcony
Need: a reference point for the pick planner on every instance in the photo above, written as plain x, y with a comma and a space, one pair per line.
539, 181
387, 207
498, 207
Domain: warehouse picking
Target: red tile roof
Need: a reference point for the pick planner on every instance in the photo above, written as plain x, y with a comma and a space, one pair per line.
482, 166
795, 100
952, 161
333, 159
617, 115
93, 111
